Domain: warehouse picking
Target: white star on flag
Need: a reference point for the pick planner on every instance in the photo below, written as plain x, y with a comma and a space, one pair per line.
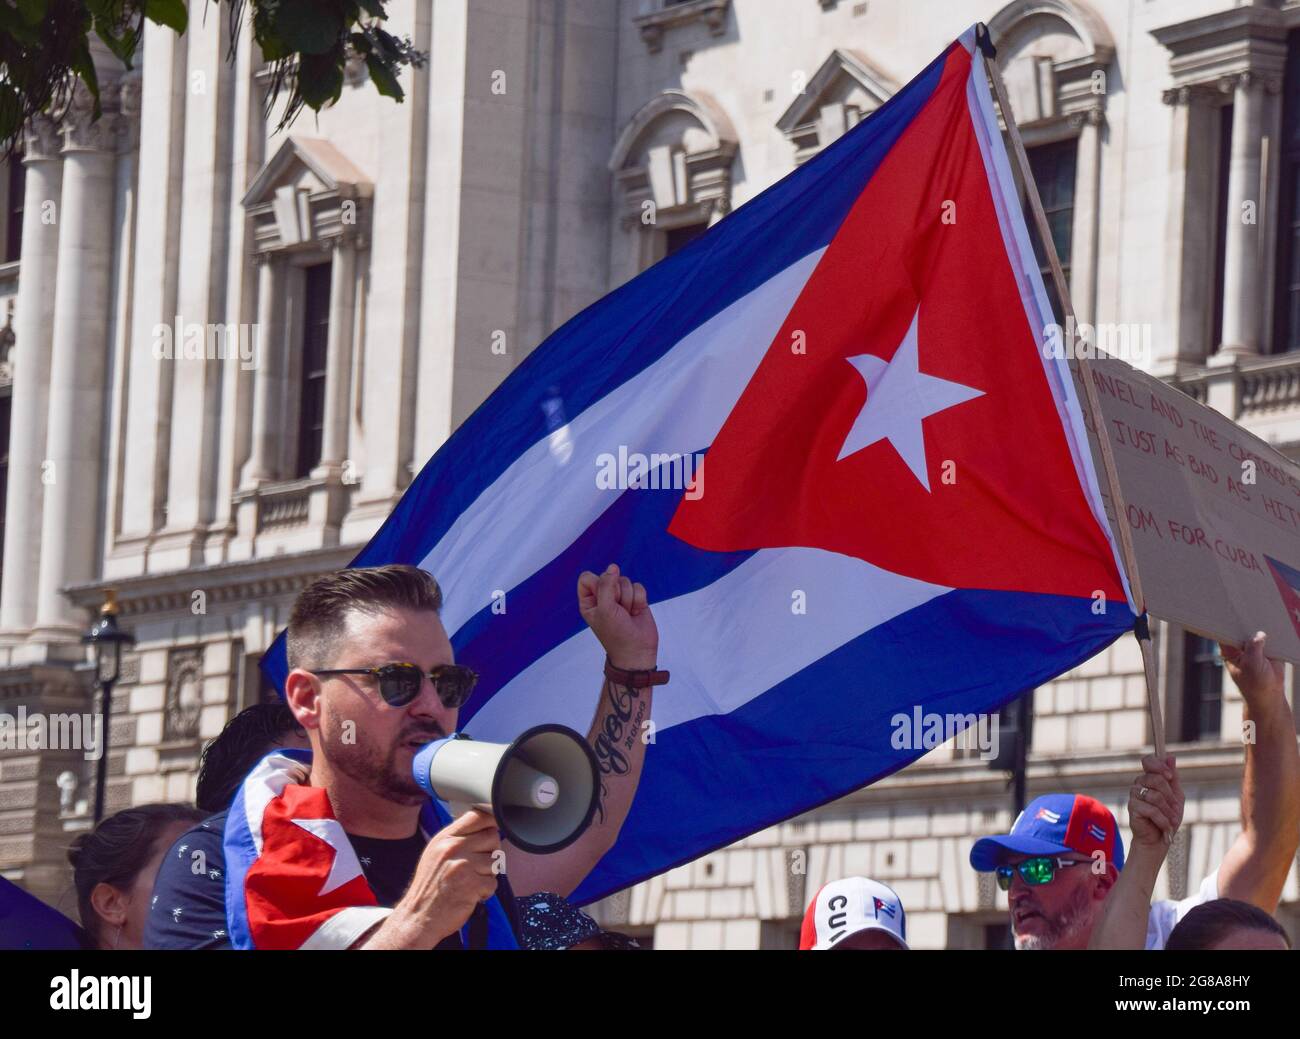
345, 866
900, 397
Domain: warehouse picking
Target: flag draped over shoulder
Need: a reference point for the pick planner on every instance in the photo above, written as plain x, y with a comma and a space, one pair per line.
826, 438
293, 880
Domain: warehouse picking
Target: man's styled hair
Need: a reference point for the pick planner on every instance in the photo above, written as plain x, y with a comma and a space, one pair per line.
1207, 924
247, 738
320, 612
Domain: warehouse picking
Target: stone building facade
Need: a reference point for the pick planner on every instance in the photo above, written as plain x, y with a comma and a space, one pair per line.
355, 285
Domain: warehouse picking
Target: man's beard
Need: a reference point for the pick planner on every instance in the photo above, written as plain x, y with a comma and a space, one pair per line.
377, 769
1071, 921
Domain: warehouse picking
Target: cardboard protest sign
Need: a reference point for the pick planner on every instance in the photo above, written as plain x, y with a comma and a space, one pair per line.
1214, 511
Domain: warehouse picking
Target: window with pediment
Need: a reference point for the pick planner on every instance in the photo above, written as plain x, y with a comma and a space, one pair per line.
844, 91
672, 167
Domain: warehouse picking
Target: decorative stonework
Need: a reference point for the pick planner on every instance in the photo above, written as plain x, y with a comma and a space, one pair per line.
130, 670
276, 577
184, 694
81, 130
844, 91
129, 103
308, 196
1210, 50
43, 140
676, 153
7, 342
1055, 56
1094, 116
672, 15
1221, 91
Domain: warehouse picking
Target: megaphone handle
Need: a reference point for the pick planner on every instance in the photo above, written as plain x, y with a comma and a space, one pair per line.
478, 927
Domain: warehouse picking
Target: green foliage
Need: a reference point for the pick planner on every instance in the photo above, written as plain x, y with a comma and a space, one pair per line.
45, 49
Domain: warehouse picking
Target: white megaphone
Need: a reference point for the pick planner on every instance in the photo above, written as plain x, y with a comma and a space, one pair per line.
542, 788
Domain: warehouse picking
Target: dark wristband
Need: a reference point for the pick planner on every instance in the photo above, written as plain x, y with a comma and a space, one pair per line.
635, 679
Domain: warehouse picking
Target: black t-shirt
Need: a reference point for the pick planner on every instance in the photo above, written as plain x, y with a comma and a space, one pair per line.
188, 907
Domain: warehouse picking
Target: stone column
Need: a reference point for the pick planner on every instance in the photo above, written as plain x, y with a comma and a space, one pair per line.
1087, 222
1243, 275
338, 358
41, 222
78, 362
125, 209
156, 264
200, 300
268, 375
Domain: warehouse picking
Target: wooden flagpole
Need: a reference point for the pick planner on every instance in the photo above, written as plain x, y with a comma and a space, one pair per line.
1091, 400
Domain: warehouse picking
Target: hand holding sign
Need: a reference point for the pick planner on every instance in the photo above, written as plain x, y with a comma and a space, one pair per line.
1259, 678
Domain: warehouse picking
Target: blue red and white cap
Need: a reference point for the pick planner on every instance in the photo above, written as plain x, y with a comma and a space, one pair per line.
1053, 825
851, 906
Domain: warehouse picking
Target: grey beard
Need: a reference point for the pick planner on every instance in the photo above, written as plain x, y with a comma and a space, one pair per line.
1073, 920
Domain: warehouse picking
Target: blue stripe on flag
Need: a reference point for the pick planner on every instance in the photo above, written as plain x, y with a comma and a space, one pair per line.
828, 730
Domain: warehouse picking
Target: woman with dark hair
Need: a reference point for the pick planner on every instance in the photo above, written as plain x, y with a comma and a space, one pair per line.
247, 738
114, 866
1227, 923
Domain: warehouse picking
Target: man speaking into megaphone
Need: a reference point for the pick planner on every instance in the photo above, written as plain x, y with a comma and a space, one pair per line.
341, 848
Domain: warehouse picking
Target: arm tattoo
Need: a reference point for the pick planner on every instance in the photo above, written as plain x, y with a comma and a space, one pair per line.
617, 736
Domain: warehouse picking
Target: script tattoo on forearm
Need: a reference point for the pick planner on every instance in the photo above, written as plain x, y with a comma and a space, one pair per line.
617, 737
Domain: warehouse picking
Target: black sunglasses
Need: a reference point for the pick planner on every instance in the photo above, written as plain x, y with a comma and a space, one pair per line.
399, 684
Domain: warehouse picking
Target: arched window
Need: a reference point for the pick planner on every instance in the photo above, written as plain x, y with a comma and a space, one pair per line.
1055, 57
672, 166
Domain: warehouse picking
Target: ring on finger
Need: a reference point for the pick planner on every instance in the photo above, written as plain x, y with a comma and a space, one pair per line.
1142, 794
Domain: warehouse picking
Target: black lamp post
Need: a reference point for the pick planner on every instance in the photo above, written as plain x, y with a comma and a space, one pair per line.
108, 640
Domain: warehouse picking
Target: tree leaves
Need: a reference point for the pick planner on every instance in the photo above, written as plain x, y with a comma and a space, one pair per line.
382, 77
309, 26
171, 13
320, 80
45, 47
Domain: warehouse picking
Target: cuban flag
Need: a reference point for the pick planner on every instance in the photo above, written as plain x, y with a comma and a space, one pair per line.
284, 892
1287, 579
897, 504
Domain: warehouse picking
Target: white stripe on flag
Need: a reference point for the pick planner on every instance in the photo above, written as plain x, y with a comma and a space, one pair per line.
676, 404
1033, 294
725, 644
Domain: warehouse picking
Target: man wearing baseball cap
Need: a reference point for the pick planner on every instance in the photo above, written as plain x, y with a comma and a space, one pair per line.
854, 913
1064, 853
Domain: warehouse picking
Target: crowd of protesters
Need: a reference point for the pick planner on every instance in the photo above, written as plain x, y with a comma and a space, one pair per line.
1069, 882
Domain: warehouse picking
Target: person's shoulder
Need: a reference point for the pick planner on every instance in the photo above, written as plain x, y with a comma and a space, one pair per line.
187, 909
1165, 914
206, 837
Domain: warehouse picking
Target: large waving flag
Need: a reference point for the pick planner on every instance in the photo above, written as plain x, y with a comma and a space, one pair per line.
898, 506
